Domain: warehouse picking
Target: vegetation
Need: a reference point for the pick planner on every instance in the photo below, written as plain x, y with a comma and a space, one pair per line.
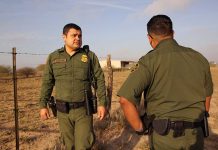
26, 71
40, 67
5, 69
112, 133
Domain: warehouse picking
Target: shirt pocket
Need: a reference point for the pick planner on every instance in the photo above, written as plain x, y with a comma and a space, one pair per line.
59, 69
81, 73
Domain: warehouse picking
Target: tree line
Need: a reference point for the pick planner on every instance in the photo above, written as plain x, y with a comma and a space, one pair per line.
24, 71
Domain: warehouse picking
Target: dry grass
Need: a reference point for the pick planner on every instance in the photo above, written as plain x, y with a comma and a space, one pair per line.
112, 133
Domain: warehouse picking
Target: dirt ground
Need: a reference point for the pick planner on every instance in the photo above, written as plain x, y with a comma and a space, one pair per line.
113, 133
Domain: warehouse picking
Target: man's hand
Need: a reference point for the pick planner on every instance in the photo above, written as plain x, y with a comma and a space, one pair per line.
44, 114
101, 112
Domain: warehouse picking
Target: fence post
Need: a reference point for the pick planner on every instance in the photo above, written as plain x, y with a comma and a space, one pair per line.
110, 82
15, 98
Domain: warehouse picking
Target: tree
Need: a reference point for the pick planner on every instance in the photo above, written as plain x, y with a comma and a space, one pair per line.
5, 69
26, 71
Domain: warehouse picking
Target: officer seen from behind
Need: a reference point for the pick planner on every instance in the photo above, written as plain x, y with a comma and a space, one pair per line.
178, 87
71, 70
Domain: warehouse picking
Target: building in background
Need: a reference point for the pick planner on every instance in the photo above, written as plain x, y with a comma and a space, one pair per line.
213, 64
118, 64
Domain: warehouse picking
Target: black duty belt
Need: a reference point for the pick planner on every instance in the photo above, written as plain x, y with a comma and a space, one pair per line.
70, 105
184, 124
179, 127
163, 126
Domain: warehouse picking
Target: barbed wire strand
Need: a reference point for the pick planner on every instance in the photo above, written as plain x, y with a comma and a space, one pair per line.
25, 53
6, 52
31, 54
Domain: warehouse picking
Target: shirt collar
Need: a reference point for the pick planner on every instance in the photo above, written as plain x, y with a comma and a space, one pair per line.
165, 42
63, 49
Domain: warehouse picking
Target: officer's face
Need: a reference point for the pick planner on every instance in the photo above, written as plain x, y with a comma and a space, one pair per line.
73, 39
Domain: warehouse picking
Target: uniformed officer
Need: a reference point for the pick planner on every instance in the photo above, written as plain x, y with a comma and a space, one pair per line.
178, 87
68, 70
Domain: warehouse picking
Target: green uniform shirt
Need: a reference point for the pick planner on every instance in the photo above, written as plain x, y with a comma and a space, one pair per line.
69, 75
176, 81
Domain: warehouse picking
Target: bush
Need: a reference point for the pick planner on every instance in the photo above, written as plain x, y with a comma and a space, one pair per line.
5, 69
26, 71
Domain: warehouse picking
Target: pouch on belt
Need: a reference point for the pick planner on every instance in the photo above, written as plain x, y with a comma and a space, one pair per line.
161, 126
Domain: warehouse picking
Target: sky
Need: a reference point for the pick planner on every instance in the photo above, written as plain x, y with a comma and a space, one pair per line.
115, 27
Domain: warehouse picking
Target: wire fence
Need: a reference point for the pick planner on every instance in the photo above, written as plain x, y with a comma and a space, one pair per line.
41, 54
22, 53
19, 109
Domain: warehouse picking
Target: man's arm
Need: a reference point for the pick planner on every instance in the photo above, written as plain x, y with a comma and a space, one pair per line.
207, 103
46, 90
101, 89
131, 114
208, 87
130, 94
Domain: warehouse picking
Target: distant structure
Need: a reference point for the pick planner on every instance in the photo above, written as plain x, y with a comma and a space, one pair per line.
213, 64
118, 64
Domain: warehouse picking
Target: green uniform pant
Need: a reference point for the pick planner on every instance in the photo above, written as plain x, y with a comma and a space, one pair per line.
192, 140
76, 129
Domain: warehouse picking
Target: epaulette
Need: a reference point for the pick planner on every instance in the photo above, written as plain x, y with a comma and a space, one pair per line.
60, 50
86, 48
135, 67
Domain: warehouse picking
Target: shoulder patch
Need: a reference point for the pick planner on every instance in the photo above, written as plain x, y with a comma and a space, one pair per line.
135, 67
86, 48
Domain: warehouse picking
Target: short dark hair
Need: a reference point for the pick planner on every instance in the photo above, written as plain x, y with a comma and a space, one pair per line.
160, 25
69, 26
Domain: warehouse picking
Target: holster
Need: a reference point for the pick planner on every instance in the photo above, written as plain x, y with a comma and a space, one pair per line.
52, 105
90, 103
147, 124
204, 125
178, 128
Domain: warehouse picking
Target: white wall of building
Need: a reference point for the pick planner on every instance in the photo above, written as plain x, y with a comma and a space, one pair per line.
114, 63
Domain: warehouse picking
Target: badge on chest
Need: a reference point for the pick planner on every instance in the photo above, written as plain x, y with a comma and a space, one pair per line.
84, 58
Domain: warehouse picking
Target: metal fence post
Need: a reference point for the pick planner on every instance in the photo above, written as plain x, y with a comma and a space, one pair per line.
15, 98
